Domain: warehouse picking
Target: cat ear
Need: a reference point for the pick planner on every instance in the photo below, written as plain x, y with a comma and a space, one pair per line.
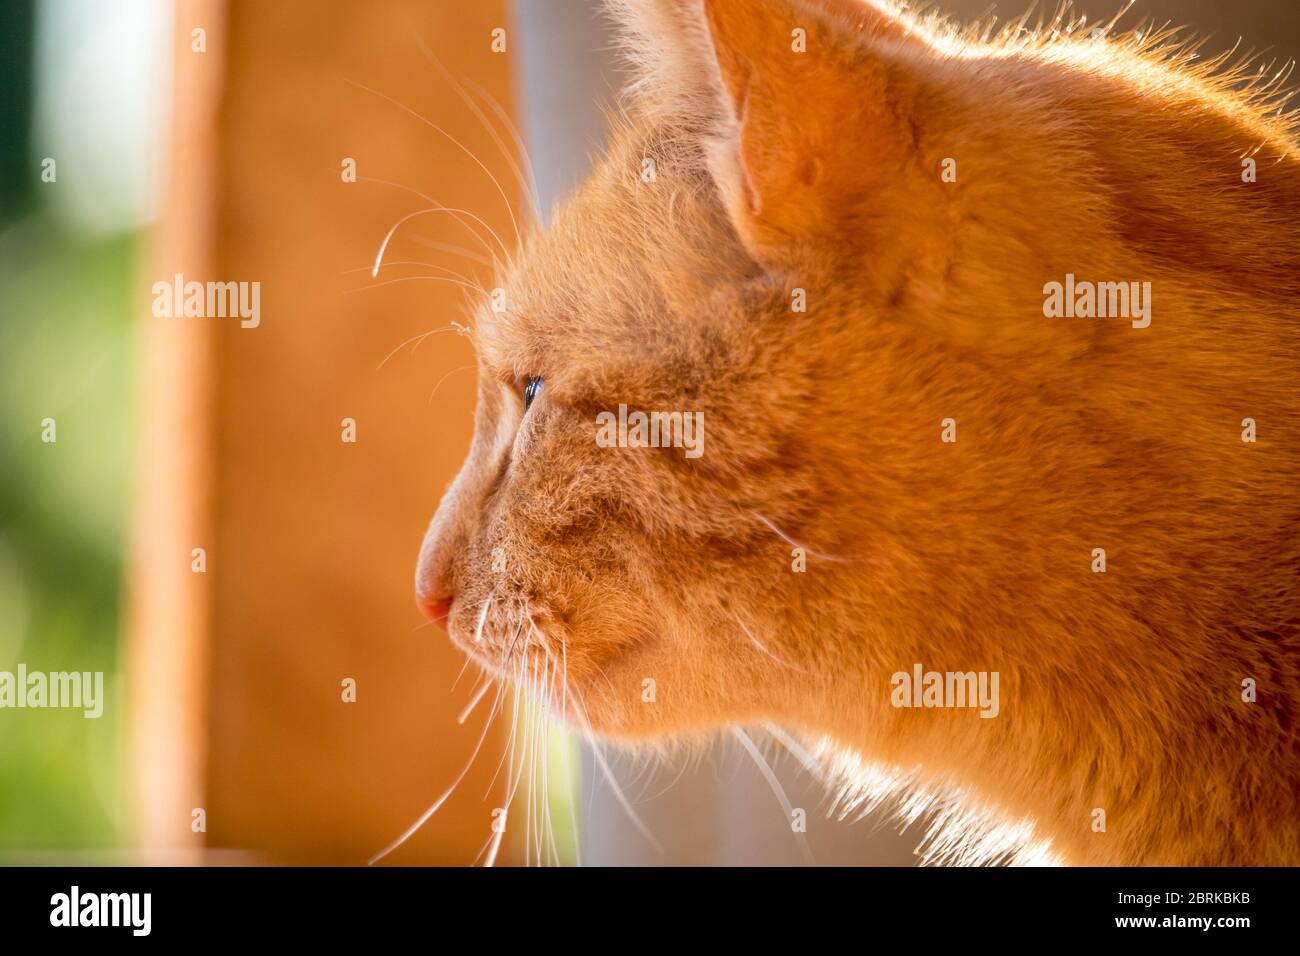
817, 109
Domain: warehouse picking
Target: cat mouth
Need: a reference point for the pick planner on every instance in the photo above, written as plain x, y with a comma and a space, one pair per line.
510, 636
529, 646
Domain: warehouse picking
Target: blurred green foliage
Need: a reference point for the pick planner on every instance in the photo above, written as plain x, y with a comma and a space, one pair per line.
66, 353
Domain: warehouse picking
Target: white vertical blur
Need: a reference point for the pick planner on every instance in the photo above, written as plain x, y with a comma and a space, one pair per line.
101, 95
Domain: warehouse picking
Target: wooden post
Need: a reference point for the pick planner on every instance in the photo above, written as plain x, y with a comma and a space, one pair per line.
168, 604
241, 675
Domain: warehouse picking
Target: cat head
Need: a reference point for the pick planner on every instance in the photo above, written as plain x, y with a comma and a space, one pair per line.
820, 226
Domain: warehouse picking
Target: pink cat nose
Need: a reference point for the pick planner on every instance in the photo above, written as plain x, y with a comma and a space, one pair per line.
435, 609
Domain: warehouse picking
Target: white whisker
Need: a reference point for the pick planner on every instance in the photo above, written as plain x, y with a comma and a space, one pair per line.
778, 791
762, 647
795, 544
469, 709
462, 368
424, 817
447, 279
436, 207
581, 716
459, 145
493, 846
482, 616
461, 673
609, 777
469, 254
796, 749
417, 339
494, 262
528, 185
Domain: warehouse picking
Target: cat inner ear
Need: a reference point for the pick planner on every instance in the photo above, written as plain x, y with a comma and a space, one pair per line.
815, 119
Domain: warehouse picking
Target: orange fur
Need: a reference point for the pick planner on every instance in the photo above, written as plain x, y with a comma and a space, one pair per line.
1109, 159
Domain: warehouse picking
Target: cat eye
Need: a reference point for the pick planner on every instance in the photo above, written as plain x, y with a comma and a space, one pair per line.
530, 391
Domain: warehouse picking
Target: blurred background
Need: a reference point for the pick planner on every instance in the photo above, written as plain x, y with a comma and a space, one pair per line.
201, 530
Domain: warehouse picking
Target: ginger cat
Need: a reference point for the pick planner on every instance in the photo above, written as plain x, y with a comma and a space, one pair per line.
995, 344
